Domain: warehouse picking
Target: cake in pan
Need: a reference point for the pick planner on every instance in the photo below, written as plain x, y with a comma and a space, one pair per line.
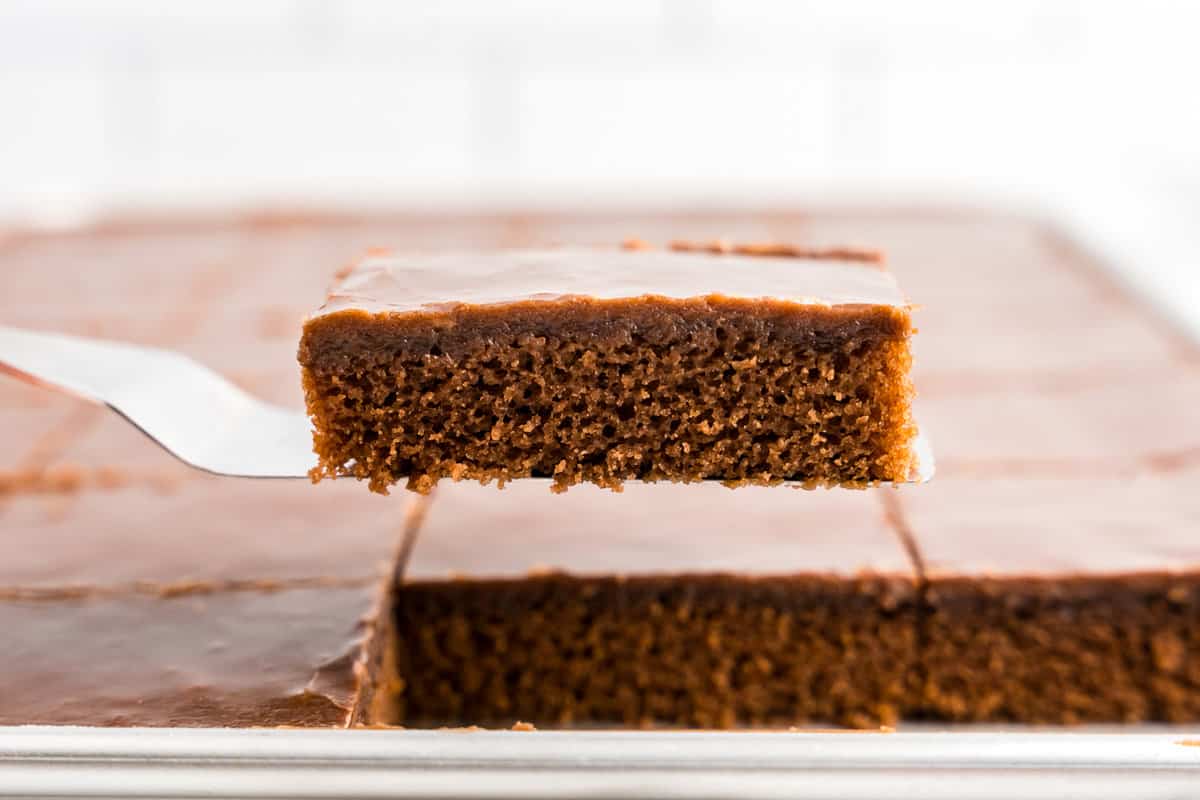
1048, 575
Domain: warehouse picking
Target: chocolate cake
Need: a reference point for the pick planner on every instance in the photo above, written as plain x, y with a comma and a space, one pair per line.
1048, 574
673, 605
241, 655
160, 597
607, 365
134, 591
1071, 600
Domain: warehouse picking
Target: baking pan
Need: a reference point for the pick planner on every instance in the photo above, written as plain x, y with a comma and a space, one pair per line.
176, 763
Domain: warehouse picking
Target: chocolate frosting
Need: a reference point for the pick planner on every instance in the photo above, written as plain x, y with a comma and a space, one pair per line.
1063, 526
252, 656
653, 529
440, 281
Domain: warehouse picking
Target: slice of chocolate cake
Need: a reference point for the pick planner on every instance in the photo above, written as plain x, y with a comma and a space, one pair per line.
671, 605
1065, 600
602, 366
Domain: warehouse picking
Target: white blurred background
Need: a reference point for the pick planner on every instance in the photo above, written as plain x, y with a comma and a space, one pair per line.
1086, 108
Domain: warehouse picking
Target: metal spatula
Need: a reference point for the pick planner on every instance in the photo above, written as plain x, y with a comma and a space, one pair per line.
192, 412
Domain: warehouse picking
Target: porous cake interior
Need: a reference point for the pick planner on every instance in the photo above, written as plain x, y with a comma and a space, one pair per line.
606, 391
1062, 650
714, 651
691, 651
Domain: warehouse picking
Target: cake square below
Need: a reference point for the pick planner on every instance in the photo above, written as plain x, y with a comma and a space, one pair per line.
1060, 601
185, 656
662, 605
138, 594
592, 365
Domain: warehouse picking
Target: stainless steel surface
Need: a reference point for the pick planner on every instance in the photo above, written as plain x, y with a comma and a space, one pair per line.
191, 411
81, 762
194, 413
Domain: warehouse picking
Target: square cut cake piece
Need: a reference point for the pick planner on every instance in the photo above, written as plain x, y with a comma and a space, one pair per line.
258, 653
1065, 600
594, 365
134, 593
665, 605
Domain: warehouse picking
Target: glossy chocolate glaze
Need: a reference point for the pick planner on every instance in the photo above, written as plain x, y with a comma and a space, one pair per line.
444, 281
653, 529
254, 655
1067, 526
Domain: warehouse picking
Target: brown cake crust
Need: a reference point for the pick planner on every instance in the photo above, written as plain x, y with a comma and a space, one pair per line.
603, 390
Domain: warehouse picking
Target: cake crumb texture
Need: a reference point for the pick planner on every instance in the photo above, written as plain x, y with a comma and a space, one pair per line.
608, 391
674, 651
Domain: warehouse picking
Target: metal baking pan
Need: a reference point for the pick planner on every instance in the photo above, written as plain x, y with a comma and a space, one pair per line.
918, 761
177, 763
